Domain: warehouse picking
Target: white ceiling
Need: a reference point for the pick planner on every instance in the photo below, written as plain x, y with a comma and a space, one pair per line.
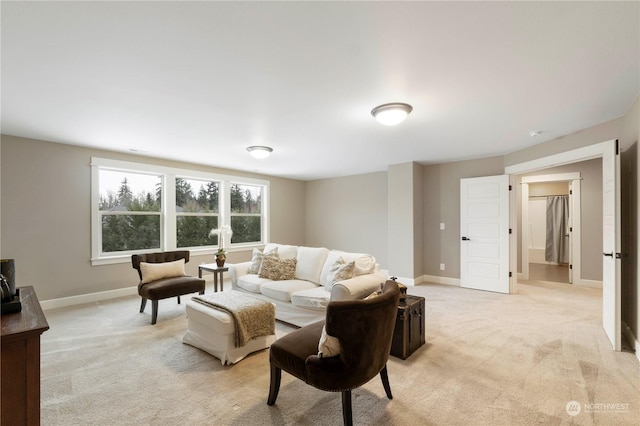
201, 81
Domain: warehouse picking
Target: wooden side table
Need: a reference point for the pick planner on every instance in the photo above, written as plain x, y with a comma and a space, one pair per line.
408, 334
20, 353
218, 272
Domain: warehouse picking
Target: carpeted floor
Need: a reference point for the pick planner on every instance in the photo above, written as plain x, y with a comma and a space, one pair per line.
490, 359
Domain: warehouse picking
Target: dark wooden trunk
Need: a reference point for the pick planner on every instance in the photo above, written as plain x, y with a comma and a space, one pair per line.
408, 334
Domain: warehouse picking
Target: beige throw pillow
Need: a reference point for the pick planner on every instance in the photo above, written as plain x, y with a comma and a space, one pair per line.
256, 259
277, 269
328, 345
340, 271
157, 271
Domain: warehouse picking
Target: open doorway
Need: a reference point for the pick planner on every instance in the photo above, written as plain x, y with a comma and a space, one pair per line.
549, 232
608, 213
551, 226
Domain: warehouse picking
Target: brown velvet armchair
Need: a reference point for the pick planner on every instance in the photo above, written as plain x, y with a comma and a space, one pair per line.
364, 329
165, 287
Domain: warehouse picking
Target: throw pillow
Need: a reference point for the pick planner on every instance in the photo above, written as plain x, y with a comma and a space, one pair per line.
328, 345
373, 295
277, 269
340, 271
256, 259
157, 271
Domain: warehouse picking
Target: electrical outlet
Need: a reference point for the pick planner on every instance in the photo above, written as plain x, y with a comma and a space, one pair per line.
442, 226
442, 266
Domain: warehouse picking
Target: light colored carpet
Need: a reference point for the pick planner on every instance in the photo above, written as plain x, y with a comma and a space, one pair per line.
544, 272
490, 359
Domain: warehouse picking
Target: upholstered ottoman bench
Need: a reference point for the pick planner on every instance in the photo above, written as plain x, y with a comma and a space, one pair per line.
229, 325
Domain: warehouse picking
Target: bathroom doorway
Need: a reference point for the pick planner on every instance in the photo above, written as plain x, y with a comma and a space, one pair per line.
550, 253
549, 245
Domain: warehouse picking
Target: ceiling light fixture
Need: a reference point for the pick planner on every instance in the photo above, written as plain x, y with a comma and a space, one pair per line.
391, 114
260, 152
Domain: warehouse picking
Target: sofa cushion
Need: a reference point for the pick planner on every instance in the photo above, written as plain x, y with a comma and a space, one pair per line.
310, 261
284, 251
256, 259
252, 282
157, 271
364, 264
277, 269
316, 298
282, 290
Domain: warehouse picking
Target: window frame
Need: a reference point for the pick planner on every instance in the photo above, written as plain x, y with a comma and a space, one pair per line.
168, 216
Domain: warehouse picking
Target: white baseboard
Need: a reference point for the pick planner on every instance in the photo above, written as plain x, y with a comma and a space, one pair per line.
587, 283
628, 333
439, 280
88, 298
406, 281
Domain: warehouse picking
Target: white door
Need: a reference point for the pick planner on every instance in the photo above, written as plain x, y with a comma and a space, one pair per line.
484, 232
611, 244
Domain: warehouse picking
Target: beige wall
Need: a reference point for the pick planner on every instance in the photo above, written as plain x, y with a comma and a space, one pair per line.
46, 201
348, 213
592, 135
441, 204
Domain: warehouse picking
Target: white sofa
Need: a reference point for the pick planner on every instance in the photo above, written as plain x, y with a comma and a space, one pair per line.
303, 300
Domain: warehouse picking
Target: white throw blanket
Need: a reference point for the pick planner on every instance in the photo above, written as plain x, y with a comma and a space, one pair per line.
252, 317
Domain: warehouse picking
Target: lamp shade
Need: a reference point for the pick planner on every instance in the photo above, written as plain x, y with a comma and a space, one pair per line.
260, 152
392, 113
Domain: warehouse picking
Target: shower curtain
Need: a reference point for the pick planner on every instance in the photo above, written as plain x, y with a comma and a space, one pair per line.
557, 247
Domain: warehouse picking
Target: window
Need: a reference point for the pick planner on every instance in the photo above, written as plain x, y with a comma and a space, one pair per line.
197, 210
130, 211
246, 216
142, 208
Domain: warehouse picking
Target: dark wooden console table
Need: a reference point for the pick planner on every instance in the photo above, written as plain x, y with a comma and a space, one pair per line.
20, 353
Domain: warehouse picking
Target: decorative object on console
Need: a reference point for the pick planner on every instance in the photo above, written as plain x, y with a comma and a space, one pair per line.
10, 295
402, 287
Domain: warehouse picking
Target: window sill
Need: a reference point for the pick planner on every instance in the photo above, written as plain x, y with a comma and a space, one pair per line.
126, 258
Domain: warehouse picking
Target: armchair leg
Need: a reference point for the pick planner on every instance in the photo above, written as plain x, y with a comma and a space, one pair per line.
274, 386
347, 417
154, 311
143, 304
178, 300
385, 382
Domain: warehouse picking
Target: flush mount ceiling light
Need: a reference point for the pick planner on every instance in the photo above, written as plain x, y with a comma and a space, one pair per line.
260, 152
391, 114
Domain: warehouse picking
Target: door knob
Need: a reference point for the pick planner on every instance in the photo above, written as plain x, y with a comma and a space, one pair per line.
608, 254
